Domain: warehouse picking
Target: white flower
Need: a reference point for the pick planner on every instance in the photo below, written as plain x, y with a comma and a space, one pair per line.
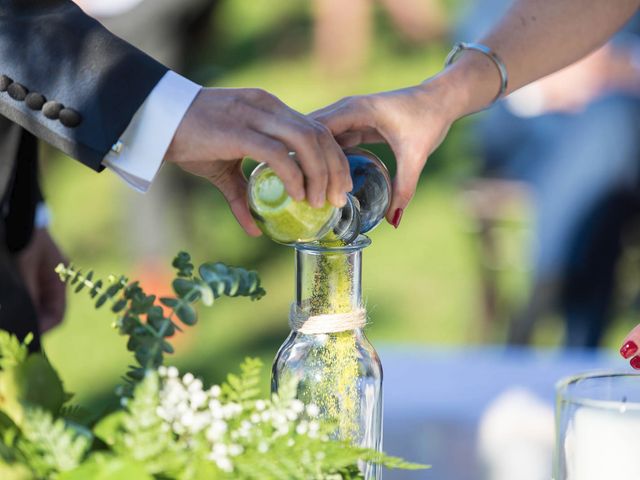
187, 418
314, 427
297, 406
220, 450
266, 416
188, 378
277, 417
215, 391
290, 442
216, 410
172, 372
178, 428
302, 428
261, 405
235, 449
216, 430
263, 447
162, 371
195, 386
255, 418
198, 399
224, 464
313, 410
231, 410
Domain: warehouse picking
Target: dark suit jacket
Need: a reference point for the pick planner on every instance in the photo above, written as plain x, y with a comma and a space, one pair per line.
65, 79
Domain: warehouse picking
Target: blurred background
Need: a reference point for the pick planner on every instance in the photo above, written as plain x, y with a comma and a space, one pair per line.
515, 264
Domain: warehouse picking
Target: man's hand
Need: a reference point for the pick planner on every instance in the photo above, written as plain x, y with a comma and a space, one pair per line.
222, 126
36, 264
413, 121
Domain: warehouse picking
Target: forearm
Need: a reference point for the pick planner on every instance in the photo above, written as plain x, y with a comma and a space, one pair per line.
534, 38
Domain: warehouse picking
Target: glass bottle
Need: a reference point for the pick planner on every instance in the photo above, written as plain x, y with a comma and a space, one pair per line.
287, 221
339, 371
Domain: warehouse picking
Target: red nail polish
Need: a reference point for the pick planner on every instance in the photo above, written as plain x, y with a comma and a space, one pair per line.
635, 362
629, 349
397, 216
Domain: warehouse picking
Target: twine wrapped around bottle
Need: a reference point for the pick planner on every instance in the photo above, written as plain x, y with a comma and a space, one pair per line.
303, 322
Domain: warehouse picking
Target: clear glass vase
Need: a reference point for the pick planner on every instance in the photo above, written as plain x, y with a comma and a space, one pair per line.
338, 369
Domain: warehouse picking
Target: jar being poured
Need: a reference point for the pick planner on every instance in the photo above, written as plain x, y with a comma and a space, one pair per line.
287, 221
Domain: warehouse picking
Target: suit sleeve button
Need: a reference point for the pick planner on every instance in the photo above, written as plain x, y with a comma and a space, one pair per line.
52, 109
70, 118
17, 91
5, 82
35, 101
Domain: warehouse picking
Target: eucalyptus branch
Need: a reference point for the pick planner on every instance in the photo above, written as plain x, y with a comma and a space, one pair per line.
148, 321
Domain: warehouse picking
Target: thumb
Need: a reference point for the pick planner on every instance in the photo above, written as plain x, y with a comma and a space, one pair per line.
233, 186
409, 166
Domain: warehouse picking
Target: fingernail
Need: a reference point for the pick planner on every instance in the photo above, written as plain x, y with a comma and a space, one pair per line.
397, 216
635, 362
628, 349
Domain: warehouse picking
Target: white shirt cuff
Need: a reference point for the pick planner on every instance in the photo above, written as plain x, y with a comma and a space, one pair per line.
138, 154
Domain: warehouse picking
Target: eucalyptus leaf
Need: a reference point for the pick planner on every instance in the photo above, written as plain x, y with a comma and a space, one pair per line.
186, 314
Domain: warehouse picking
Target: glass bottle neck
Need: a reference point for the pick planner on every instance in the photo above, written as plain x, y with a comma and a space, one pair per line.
328, 280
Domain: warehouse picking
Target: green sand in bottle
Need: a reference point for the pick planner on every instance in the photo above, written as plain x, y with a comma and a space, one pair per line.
282, 218
335, 391
335, 363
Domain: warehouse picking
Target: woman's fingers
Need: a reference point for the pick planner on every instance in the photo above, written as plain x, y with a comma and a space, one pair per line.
354, 138
351, 114
409, 165
629, 347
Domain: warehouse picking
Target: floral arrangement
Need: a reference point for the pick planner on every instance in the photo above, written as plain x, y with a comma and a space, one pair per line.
168, 426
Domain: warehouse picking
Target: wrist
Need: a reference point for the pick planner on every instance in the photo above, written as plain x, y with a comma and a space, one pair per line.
179, 145
468, 85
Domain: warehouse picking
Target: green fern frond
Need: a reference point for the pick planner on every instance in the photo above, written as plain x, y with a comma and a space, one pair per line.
48, 445
12, 350
144, 436
244, 387
75, 413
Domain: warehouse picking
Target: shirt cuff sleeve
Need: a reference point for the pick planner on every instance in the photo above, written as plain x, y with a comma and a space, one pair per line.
137, 156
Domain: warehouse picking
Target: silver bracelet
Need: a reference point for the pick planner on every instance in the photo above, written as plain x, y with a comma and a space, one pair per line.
497, 61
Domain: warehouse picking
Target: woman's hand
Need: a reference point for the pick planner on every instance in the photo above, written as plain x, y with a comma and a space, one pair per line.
629, 349
413, 121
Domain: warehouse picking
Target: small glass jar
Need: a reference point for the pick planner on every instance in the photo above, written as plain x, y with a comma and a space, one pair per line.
287, 221
338, 370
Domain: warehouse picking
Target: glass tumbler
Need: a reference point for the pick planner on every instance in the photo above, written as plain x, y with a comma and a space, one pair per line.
598, 427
